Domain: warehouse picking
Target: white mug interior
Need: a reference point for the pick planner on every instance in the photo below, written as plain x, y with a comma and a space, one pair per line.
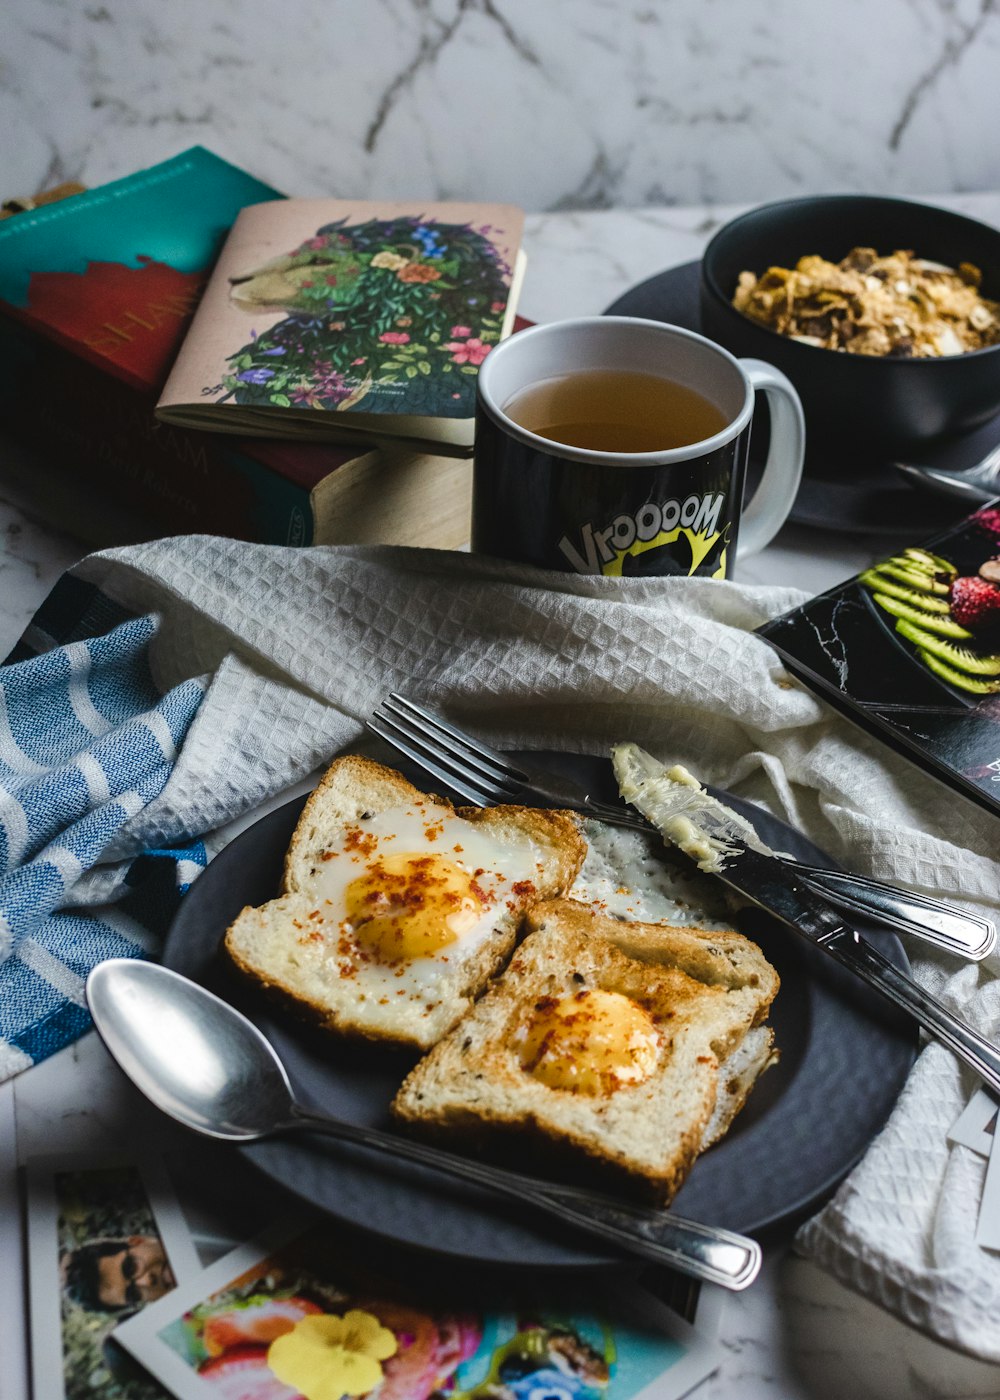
617, 343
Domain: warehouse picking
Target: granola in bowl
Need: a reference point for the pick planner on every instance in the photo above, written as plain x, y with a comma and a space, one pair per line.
897, 306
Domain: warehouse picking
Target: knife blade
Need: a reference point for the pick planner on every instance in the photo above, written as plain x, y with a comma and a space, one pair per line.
716, 840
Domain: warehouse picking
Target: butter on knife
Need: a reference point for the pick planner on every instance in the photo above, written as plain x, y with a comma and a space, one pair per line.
712, 835
681, 810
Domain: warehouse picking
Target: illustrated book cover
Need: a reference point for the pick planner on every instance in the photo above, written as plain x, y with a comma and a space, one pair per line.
334, 319
910, 649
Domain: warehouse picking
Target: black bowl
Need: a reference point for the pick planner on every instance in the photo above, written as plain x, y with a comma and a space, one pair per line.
858, 402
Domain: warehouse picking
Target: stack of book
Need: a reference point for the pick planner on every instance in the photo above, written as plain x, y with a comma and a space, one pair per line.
323, 395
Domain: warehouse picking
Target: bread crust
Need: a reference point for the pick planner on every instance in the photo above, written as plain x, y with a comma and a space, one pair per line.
352, 785
716, 957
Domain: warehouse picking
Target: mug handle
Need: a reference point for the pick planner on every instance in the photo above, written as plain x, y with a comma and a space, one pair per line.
775, 496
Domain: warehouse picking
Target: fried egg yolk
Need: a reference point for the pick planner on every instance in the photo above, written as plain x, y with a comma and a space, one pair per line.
410, 905
590, 1042
404, 899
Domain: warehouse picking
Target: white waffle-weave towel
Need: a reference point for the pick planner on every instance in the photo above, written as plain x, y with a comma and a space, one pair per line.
298, 646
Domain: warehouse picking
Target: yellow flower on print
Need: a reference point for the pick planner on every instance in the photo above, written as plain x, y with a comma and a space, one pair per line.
392, 261
325, 1357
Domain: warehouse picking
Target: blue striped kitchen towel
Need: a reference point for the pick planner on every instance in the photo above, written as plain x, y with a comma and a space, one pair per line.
86, 742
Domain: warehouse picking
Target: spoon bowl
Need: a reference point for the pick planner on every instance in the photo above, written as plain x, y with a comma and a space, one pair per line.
192, 1055
975, 485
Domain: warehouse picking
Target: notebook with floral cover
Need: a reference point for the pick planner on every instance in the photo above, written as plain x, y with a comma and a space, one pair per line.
330, 319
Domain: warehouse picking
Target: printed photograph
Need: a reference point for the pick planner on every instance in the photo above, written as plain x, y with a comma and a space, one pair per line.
295, 1320
100, 1251
910, 648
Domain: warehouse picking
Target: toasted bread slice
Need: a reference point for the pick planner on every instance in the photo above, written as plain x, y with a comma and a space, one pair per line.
717, 957
351, 790
738, 1073
313, 948
527, 1057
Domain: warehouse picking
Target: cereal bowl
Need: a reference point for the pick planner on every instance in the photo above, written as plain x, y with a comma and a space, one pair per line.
883, 404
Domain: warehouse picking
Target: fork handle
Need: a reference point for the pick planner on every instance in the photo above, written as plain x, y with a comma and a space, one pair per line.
859, 957
700, 1251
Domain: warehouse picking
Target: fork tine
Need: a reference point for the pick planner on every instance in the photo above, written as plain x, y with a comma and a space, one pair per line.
618, 816
497, 786
488, 757
459, 752
379, 726
438, 763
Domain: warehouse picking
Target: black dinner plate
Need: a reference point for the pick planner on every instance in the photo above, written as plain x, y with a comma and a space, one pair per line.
866, 497
845, 1055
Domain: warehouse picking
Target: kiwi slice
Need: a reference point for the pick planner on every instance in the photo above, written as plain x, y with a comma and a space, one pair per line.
912, 577
932, 563
943, 625
925, 602
959, 657
957, 678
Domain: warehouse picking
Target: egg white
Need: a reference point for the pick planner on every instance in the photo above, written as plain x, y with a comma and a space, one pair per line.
630, 876
419, 829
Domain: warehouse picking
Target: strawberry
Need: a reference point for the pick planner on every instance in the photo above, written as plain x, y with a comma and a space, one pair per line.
987, 520
975, 603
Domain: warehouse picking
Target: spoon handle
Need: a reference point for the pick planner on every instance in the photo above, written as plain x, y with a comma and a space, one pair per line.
701, 1251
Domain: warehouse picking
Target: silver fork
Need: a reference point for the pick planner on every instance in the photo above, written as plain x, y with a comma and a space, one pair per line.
486, 777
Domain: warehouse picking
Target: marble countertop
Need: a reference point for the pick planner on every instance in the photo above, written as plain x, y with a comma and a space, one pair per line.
796, 1334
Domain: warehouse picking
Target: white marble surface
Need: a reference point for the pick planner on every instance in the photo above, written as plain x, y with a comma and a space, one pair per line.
32, 555
797, 1334
562, 105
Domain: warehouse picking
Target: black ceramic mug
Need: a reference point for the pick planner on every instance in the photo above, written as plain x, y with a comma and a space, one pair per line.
676, 511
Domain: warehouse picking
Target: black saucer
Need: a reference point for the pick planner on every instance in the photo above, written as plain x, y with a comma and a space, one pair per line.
863, 496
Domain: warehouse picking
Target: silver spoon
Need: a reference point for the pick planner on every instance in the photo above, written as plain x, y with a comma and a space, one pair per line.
975, 484
206, 1066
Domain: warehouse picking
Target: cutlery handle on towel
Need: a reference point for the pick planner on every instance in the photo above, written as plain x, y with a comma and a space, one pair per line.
935, 922
701, 1251
859, 957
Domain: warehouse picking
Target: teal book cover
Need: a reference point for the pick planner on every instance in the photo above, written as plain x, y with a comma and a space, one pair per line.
115, 273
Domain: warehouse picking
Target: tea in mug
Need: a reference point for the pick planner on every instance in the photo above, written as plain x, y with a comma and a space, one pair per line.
615, 411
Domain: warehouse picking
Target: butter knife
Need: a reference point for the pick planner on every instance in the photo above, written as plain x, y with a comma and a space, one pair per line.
718, 848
